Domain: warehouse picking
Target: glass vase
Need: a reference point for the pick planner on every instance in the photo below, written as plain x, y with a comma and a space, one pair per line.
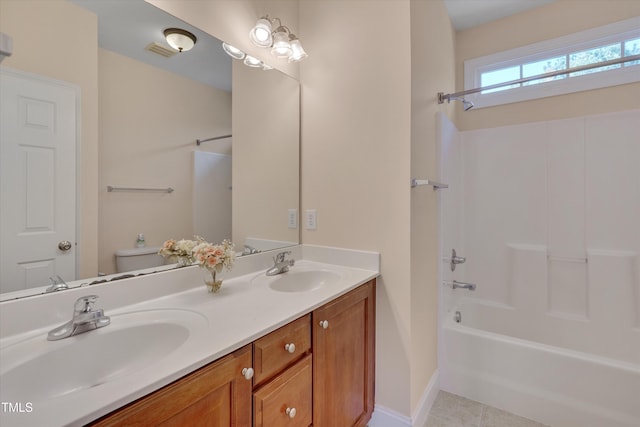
213, 280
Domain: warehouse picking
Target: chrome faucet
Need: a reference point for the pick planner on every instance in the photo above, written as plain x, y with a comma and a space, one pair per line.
281, 264
57, 284
248, 250
84, 319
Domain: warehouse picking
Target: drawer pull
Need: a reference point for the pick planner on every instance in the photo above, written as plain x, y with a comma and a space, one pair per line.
247, 373
291, 412
291, 347
324, 324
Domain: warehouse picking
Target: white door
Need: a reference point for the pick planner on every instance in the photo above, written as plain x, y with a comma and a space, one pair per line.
38, 131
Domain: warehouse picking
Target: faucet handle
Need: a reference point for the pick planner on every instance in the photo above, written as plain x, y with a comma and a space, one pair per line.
281, 256
84, 304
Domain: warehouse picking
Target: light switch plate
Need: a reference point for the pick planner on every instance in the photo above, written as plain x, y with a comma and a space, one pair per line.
292, 218
310, 219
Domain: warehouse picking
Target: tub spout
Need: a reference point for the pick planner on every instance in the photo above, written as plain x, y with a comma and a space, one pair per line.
464, 285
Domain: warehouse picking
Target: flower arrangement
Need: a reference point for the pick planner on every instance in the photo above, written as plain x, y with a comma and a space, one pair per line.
214, 258
211, 257
180, 251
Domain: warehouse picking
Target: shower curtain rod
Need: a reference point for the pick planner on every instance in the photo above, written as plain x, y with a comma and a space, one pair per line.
200, 141
442, 97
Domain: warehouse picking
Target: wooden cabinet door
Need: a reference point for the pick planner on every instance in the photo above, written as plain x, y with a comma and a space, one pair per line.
216, 395
344, 359
286, 400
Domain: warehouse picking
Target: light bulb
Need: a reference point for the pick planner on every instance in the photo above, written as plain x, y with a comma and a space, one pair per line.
250, 61
260, 34
233, 52
297, 52
281, 46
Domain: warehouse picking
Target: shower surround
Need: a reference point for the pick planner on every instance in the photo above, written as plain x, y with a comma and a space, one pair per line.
548, 216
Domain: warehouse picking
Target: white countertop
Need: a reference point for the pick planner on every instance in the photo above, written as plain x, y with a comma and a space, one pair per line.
242, 311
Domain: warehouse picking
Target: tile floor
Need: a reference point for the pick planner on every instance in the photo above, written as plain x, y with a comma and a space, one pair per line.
450, 410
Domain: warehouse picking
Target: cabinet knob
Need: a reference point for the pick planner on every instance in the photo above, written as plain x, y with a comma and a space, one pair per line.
247, 373
291, 347
324, 324
291, 412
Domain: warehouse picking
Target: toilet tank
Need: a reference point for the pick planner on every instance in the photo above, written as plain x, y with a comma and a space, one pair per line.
138, 258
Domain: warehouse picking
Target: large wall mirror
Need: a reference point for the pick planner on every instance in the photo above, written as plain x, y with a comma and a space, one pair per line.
134, 166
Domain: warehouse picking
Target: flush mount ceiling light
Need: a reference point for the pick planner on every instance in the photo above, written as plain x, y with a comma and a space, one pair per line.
179, 39
283, 43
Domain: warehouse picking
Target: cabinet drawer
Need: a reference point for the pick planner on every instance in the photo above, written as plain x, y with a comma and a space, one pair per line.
287, 399
272, 353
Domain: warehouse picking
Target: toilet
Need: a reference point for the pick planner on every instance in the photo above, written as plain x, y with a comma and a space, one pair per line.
138, 258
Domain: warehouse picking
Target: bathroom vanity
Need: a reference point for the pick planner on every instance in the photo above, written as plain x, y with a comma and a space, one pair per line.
295, 349
291, 379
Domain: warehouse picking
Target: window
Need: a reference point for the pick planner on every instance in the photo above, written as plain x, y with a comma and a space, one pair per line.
588, 47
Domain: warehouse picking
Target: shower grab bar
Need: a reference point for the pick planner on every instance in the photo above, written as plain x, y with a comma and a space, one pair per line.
215, 138
163, 190
461, 285
443, 97
578, 260
434, 184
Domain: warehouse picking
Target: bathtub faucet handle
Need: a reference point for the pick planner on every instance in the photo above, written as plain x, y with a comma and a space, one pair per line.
455, 260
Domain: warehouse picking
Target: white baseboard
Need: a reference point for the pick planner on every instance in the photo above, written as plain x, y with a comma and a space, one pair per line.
421, 413
385, 417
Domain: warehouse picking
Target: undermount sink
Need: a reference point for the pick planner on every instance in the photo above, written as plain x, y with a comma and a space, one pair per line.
36, 369
302, 280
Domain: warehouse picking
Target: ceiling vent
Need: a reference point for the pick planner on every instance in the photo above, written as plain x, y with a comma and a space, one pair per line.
154, 47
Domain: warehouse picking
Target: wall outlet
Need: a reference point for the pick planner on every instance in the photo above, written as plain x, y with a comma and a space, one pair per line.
292, 218
310, 219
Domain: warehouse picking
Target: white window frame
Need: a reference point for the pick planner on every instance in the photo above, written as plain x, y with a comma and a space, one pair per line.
624, 30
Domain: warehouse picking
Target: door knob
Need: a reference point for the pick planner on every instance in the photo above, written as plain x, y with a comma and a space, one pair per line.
64, 245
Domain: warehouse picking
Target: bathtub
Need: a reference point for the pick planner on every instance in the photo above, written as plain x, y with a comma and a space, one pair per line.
484, 358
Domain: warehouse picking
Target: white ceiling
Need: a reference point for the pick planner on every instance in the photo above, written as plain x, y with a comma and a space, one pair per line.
127, 27
465, 14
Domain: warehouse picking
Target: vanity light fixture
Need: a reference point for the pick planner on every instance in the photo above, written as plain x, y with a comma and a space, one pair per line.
281, 47
233, 52
248, 60
179, 39
297, 52
283, 43
260, 34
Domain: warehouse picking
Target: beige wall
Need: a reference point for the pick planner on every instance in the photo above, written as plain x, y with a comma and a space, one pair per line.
59, 40
149, 122
547, 22
231, 20
432, 69
266, 152
356, 117
356, 152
